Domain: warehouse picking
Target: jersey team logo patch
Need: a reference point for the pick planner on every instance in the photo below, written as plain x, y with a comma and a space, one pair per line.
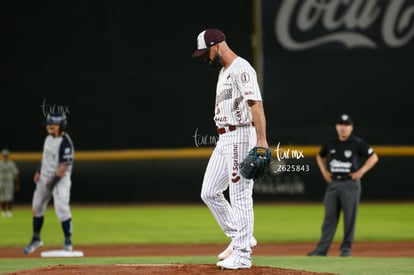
348, 153
245, 77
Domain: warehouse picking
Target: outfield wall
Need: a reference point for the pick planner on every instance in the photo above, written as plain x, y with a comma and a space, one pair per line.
124, 76
176, 175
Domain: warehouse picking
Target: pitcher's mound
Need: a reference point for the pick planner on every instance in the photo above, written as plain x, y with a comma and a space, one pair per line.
158, 269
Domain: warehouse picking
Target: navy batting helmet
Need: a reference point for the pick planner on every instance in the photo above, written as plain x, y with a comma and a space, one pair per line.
58, 119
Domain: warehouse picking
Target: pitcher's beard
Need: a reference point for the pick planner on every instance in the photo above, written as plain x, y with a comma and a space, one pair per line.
216, 62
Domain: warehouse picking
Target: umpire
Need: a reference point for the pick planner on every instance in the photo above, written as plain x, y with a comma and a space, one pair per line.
343, 161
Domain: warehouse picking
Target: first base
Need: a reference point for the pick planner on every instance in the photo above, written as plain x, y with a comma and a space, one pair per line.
61, 253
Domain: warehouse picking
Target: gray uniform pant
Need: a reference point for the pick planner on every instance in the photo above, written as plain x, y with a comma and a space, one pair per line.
345, 196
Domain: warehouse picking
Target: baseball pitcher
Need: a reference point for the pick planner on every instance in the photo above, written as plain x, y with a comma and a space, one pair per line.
241, 125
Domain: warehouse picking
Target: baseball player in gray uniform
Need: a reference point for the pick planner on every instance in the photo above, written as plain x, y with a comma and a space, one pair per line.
9, 183
241, 125
53, 179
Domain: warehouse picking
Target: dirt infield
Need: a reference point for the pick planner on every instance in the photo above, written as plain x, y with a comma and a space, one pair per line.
361, 249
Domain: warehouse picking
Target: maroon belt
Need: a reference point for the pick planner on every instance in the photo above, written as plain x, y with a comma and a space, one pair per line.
230, 128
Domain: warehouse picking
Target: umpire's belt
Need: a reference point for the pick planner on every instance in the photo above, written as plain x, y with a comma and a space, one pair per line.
231, 128
341, 177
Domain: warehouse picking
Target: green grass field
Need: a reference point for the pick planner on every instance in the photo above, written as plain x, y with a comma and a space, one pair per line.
193, 224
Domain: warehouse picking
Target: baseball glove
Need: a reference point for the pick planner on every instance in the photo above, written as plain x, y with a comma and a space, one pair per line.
254, 166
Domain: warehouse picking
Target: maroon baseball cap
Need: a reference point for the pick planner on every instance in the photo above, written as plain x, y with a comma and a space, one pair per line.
206, 39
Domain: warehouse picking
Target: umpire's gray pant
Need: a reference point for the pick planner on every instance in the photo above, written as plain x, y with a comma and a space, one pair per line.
339, 195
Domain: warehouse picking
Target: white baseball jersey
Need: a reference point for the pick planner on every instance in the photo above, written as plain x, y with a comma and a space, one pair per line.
56, 150
236, 84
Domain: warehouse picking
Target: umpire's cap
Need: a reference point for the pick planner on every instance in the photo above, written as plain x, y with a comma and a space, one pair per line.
345, 120
58, 119
206, 39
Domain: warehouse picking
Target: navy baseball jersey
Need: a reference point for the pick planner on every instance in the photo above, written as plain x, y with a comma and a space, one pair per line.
56, 150
344, 157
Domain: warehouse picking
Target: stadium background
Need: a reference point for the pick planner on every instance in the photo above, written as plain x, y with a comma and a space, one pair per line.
123, 72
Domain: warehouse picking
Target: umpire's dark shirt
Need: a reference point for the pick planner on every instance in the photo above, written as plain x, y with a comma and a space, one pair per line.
344, 157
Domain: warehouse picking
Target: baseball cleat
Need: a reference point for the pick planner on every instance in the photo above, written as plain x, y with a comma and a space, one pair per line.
226, 252
253, 242
32, 247
68, 245
316, 253
233, 262
229, 249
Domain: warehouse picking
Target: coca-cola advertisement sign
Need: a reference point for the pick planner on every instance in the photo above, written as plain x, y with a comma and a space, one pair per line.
301, 25
320, 58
